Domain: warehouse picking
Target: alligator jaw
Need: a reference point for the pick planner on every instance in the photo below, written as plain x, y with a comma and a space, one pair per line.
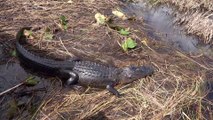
132, 73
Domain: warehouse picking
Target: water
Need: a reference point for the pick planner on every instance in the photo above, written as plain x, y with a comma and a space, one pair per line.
159, 23
23, 101
7, 79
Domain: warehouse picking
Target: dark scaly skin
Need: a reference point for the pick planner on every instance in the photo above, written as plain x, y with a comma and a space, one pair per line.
45, 65
85, 73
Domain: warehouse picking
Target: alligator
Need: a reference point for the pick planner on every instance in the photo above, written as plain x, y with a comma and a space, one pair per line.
82, 72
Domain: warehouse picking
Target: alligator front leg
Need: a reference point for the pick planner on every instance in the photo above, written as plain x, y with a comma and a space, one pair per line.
72, 76
111, 89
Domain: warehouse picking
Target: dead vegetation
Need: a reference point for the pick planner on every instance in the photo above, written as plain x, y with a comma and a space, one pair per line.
169, 93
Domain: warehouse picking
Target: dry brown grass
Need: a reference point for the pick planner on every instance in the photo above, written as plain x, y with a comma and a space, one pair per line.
196, 16
193, 4
175, 86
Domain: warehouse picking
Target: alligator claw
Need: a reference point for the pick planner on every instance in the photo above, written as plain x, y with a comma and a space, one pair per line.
111, 89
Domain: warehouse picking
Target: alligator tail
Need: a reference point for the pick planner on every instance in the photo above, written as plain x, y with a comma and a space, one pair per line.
28, 58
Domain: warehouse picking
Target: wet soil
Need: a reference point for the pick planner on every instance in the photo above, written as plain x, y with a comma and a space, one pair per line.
22, 102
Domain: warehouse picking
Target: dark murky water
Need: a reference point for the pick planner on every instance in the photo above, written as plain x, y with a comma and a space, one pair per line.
159, 22
23, 101
10, 75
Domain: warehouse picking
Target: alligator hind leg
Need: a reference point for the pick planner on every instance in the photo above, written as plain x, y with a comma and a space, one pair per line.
111, 89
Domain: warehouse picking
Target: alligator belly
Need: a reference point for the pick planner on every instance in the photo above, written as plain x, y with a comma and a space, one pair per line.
94, 82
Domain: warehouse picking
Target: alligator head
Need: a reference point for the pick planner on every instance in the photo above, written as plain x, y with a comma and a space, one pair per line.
132, 73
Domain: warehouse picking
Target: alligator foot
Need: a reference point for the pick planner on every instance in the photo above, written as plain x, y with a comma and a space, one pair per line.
111, 89
72, 76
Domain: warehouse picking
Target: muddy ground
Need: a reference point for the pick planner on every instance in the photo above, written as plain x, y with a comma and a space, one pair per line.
177, 90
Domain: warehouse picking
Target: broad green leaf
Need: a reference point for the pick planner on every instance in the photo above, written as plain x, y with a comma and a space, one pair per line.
124, 46
14, 54
101, 19
129, 43
31, 81
124, 32
119, 14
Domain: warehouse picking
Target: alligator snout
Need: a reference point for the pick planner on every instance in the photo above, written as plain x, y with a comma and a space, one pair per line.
132, 73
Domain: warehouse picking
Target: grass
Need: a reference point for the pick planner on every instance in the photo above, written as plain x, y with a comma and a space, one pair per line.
169, 93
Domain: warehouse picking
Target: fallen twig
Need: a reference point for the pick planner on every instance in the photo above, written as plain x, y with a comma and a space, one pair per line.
10, 89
